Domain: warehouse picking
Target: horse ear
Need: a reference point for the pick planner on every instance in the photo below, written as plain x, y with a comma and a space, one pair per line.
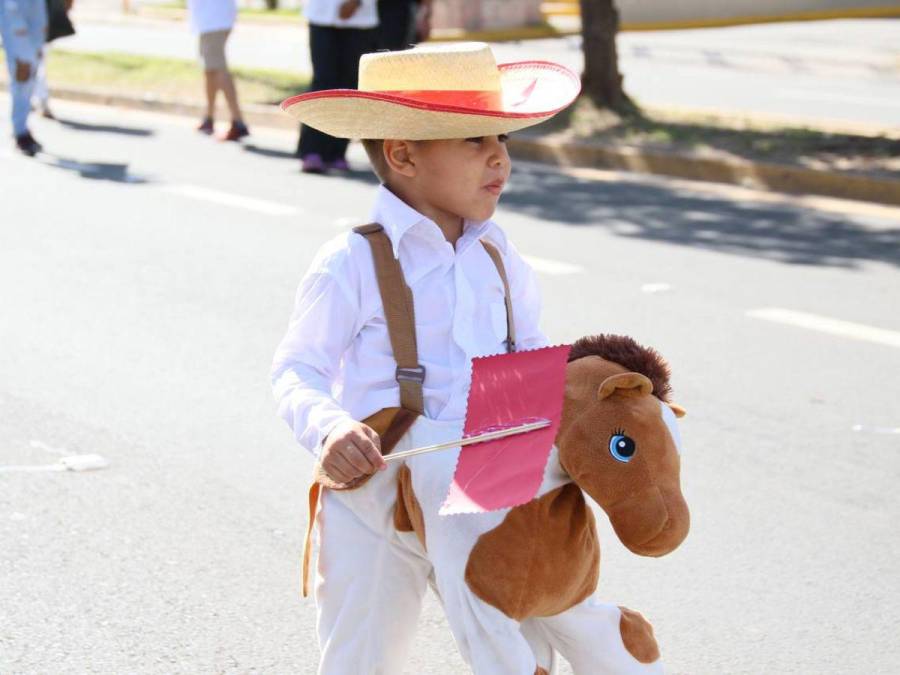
630, 384
677, 409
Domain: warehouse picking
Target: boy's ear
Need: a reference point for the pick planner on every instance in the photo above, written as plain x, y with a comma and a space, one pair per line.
399, 156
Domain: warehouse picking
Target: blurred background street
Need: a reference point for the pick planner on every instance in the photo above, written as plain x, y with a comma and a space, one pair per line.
147, 273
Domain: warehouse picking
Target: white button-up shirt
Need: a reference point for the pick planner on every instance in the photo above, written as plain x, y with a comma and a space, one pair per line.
336, 361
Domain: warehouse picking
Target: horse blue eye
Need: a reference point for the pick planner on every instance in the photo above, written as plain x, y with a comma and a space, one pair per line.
621, 448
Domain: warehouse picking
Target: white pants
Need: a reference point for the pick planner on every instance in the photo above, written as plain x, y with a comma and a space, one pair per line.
369, 583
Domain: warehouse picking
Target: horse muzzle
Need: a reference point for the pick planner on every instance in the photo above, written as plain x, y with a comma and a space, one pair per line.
651, 523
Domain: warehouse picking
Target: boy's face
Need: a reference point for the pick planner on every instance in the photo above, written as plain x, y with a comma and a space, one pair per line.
461, 177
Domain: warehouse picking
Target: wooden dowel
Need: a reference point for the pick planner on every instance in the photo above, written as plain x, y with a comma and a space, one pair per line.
481, 438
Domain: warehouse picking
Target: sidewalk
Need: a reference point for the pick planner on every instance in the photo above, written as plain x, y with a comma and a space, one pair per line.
837, 74
765, 76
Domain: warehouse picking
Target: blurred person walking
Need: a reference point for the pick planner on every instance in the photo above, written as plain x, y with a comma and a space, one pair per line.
23, 27
403, 23
340, 31
58, 25
213, 20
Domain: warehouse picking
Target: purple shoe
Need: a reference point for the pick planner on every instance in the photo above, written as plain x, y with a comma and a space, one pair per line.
206, 126
339, 164
312, 164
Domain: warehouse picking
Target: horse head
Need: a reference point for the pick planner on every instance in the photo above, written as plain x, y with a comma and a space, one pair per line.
618, 441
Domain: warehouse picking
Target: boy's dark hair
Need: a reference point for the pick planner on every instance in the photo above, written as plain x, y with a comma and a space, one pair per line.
375, 150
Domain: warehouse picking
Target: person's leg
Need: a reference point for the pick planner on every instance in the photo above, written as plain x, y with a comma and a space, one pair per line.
324, 52
225, 82
231, 97
21, 79
369, 585
395, 19
210, 81
354, 42
40, 95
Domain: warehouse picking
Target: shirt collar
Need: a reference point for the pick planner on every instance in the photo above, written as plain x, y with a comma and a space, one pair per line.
398, 218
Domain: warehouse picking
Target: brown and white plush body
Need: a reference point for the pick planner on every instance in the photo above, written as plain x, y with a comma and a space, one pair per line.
516, 584
525, 576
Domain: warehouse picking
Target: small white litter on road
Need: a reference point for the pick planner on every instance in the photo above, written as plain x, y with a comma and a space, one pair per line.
824, 324
659, 287
555, 267
875, 430
70, 463
230, 199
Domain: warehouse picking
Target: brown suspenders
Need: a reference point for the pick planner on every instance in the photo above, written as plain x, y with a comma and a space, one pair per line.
392, 423
399, 315
398, 312
501, 270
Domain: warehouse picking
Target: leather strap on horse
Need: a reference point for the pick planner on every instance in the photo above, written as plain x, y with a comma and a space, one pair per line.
314, 491
510, 324
399, 313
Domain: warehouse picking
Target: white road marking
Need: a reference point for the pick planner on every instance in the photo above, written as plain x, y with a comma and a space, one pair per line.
555, 267
825, 324
660, 287
230, 199
875, 430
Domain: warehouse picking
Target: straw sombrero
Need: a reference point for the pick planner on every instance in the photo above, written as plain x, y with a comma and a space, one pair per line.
439, 92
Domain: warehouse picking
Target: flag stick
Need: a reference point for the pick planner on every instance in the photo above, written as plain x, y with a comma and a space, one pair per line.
481, 438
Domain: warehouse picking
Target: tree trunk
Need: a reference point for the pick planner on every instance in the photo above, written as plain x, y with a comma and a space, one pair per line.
271, 4
601, 80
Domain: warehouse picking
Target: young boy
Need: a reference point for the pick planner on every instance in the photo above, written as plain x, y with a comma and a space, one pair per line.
443, 114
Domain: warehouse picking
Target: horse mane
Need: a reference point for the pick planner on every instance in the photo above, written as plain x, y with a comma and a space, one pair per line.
629, 354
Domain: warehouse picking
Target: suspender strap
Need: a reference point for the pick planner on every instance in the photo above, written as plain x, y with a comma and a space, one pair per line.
399, 314
501, 270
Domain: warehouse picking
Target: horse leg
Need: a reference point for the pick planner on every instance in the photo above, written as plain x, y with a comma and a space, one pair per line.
599, 638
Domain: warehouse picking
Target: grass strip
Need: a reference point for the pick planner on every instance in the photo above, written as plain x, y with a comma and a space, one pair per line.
166, 78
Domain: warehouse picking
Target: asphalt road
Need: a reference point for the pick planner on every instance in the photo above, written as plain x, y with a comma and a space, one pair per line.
146, 274
844, 72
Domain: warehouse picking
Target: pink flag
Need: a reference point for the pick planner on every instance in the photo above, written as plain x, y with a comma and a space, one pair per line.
508, 390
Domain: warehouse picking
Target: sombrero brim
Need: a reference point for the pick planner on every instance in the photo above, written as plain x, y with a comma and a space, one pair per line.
531, 92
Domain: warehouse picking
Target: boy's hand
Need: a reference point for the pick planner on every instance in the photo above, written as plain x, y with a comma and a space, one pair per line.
350, 451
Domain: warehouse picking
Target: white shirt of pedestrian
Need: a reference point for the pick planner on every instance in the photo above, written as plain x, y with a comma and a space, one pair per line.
336, 363
211, 15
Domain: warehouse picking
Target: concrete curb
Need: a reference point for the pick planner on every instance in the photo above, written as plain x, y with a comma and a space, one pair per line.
746, 173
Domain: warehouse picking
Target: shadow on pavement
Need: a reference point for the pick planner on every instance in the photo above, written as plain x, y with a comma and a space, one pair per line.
116, 173
779, 232
359, 175
104, 128
270, 152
